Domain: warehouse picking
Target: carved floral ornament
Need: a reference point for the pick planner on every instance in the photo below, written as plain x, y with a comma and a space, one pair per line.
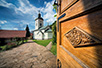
78, 37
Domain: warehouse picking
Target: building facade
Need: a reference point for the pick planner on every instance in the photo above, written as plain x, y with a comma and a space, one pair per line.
41, 32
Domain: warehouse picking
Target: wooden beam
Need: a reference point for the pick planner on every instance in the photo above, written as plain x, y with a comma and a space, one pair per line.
75, 58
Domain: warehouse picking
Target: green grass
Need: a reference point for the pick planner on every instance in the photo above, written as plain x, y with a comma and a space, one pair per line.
25, 40
42, 42
45, 43
54, 49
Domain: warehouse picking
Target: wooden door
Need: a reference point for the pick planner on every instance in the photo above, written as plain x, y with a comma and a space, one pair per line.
79, 34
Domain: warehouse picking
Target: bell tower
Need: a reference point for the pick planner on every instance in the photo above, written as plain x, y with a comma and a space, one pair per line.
38, 21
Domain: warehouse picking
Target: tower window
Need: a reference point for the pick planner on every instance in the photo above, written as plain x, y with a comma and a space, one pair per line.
40, 24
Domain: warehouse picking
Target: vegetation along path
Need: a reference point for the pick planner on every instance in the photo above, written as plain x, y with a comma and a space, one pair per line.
28, 55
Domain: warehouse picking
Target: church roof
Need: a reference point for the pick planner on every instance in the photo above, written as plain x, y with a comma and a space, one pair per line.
46, 28
39, 17
49, 30
43, 27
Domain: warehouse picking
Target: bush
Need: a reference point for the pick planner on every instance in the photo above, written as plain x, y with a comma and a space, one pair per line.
4, 47
11, 45
54, 33
54, 49
8, 47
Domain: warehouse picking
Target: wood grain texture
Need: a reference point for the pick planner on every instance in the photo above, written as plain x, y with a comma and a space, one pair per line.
67, 61
79, 7
89, 55
92, 24
74, 57
65, 4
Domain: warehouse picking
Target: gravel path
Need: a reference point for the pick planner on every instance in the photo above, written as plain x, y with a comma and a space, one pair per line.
28, 55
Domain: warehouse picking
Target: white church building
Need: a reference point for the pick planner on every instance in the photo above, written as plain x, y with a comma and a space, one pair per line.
41, 32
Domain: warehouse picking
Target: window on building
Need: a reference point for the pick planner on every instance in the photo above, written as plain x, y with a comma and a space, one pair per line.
40, 24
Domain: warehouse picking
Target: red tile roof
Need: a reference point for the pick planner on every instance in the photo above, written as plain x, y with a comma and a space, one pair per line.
12, 33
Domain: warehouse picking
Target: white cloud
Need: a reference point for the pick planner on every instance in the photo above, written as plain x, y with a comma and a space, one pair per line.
26, 9
3, 22
4, 3
25, 22
15, 28
45, 2
49, 14
7, 5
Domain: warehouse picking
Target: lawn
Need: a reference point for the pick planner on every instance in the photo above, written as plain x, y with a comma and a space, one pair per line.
43, 42
54, 49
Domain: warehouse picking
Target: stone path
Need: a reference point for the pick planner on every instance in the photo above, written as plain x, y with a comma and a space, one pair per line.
28, 55
49, 46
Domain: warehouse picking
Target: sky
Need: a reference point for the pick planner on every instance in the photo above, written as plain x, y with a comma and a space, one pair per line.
16, 14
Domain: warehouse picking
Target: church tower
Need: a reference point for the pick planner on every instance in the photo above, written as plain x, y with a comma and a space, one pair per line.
38, 22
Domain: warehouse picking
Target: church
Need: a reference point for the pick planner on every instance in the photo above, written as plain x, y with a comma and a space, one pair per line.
41, 32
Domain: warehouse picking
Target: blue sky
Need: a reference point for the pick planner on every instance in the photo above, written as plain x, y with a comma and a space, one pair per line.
16, 14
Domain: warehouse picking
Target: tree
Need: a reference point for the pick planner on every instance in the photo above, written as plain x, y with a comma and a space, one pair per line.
27, 31
54, 38
54, 33
55, 8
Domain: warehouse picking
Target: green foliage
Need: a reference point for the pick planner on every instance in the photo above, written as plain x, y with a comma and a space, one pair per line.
54, 27
3, 47
42, 42
55, 15
54, 33
25, 40
6, 47
54, 49
27, 31
55, 8
11, 45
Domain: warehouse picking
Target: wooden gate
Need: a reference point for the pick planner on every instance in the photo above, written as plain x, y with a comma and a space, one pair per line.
79, 34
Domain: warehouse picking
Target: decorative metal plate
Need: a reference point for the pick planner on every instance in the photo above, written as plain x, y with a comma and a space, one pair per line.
78, 37
58, 20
